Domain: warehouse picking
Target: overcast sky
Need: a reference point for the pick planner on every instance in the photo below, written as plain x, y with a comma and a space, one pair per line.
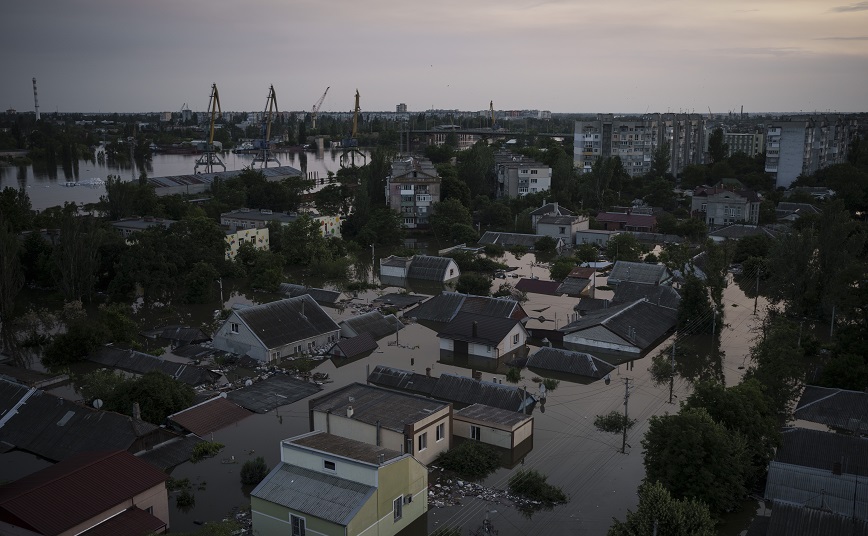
558, 55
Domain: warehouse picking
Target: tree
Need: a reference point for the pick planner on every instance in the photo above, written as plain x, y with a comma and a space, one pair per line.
333, 199
778, 363
693, 175
158, 396
532, 485
476, 168
694, 311
695, 457
660, 161
15, 209
623, 247
200, 283
471, 460
77, 256
384, 227
446, 214
476, 284
561, 268
717, 149
545, 245
11, 283
659, 513
587, 253
463, 233
253, 471
613, 422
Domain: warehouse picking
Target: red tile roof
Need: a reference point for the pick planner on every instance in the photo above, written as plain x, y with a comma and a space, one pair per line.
75, 490
210, 416
582, 272
631, 220
538, 286
133, 522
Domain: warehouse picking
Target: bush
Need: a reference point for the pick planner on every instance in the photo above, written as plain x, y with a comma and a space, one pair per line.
532, 485
494, 250
513, 375
206, 449
253, 471
551, 384
472, 460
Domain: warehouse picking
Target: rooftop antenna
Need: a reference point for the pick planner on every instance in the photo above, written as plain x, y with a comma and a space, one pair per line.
35, 99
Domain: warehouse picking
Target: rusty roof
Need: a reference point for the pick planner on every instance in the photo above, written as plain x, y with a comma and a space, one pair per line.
133, 521
77, 489
210, 416
538, 286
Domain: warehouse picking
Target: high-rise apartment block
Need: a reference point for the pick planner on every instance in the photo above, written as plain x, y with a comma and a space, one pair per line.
411, 189
518, 175
634, 140
802, 145
750, 144
401, 108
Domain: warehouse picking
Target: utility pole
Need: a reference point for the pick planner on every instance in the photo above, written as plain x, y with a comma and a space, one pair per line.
756, 298
672, 370
626, 397
832, 324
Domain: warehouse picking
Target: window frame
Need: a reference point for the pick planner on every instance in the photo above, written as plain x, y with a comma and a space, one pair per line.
233, 327
440, 432
325, 465
475, 432
297, 525
397, 508
423, 441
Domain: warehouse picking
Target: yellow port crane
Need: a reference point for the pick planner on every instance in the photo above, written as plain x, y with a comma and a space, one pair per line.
210, 159
270, 109
315, 110
348, 158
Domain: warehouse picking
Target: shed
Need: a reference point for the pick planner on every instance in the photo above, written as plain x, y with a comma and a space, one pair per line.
372, 323
494, 426
569, 362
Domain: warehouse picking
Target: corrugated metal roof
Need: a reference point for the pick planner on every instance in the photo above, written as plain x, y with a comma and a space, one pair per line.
55, 428
442, 308
371, 404
320, 295
344, 446
171, 453
500, 307
538, 286
789, 519
836, 408
310, 492
282, 322
373, 323
209, 416
637, 272
822, 450
551, 219
467, 391
428, 268
483, 413
470, 327
77, 489
178, 334
573, 286
395, 261
353, 346
142, 363
400, 301
818, 489
404, 380
511, 239
552, 208
273, 392
580, 363
662, 295
132, 521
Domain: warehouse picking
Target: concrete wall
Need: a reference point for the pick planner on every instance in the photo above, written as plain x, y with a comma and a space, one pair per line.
271, 519
258, 237
344, 468
340, 425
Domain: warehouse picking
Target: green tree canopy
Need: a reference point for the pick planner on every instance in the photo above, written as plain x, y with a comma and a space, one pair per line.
623, 247
659, 513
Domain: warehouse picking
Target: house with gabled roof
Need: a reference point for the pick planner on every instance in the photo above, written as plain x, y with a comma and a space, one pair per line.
403, 422
494, 426
638, 272
278, 329
564, 361
90, 493
839, 409
353, 347
631, 328
483, 336
720, 206
444, 307
373, 323
331, 485
549, 209
629, 220
508, 240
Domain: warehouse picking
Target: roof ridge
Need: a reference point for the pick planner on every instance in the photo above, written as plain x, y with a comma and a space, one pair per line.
100, 456
830, 395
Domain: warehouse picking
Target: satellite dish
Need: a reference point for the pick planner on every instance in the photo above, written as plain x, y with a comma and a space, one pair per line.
97, 403
248, 383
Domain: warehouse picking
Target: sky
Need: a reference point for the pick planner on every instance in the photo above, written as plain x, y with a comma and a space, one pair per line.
560, 55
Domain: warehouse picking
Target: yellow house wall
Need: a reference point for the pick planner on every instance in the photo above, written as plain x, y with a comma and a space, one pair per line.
270, 519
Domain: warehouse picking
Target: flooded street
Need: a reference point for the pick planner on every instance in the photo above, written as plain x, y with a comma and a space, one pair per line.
587, 464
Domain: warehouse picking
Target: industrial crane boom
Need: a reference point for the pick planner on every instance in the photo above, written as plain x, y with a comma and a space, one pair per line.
356, 116
491, 107
209, 158
315, 110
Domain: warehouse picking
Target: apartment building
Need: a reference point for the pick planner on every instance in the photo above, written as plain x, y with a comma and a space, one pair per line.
412, 189
518, 175
750, 144
802, 145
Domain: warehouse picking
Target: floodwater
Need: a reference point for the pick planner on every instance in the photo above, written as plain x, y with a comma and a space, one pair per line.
46, 187
587, 464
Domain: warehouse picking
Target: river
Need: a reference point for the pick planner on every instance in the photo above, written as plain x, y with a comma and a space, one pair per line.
46, 186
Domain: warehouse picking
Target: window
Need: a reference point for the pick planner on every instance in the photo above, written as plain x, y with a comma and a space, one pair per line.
562, 230
397, 508
533, 181
234, 327
275, 356
297, 524
515, 339
533, 171
329, 465
475, 433
423, 441
441, 431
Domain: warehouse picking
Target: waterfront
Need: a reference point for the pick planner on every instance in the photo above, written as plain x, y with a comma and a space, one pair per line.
46, 187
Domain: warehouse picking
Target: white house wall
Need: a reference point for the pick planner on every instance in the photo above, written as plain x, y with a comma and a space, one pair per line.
487, 434
243, 342
344, 468
340, 425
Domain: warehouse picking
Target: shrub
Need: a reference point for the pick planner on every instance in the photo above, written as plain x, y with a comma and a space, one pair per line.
253, 471
513, 375
471, 460
532, 485
551, 384
206, 449
493, 250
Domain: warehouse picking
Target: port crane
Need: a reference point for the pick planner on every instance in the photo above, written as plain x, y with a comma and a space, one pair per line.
348, 158
315, 110
270, 109
210, 159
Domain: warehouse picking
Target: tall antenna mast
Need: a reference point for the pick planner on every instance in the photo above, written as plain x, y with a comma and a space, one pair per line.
35, 99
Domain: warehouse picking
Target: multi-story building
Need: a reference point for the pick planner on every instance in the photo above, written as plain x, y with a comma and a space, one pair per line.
802, 145
401, 108
750, 144
256, 236
634, 140
245, 218
720, 206
518, 176
412, 189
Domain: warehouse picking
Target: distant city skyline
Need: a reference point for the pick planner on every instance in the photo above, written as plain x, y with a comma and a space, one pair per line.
559, 55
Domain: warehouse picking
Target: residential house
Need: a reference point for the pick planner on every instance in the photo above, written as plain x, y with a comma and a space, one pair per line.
420, 267
558, 360
508, 240
718, 206
839, 409
821, 470
662, 295
790, 212
788, 519
373, 323
90, 493
277, 329
494, 426
564, 227
538, 286
324, 297
628, 220
336, 486
235, 238
629, 328
209, 416
402, 422
177, 335
245, 218
129, 226
638, 272
549, 209
142, 363
446, 305
597, 237
518, 175
737, 231
353, 347
578, 281
482, 335
412, 188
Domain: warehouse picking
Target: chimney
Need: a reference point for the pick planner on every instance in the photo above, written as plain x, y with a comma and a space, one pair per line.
378, 433
349, 412
137, 411
428, 371
556, 208
475, 328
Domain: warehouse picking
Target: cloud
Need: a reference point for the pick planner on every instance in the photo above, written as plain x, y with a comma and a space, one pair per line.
859, 6
844, 38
